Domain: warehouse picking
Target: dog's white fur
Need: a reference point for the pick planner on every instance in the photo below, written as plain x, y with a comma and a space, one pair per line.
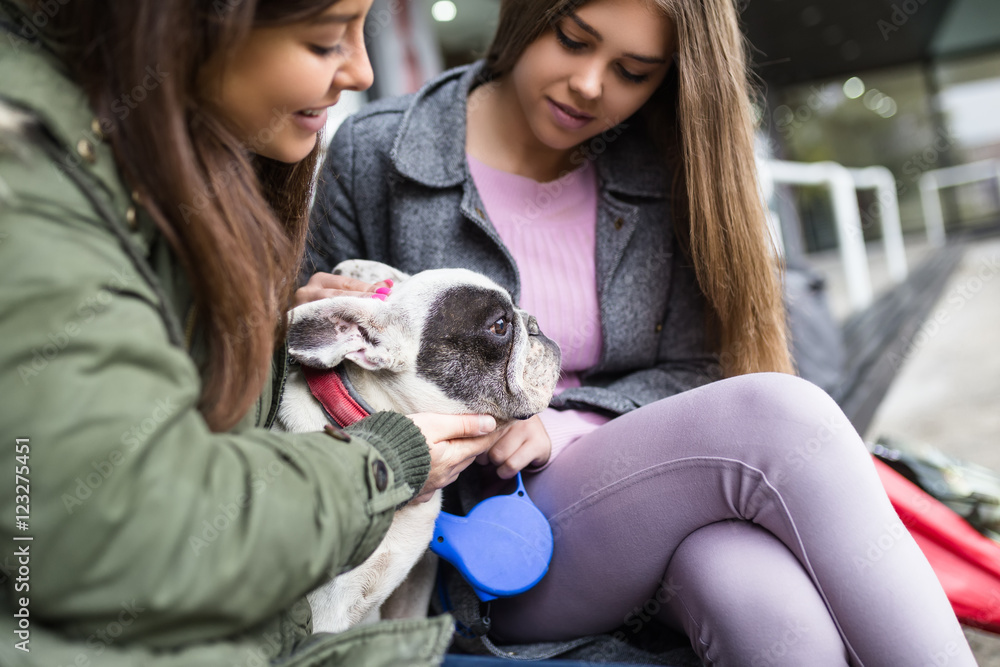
383, 372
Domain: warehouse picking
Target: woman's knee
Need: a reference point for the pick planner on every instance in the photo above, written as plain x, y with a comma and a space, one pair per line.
778, 395
792, 416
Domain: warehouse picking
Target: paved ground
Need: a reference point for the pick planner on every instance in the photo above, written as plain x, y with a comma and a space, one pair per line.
947, 393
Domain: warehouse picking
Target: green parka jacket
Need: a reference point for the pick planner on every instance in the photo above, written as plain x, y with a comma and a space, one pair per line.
129, 533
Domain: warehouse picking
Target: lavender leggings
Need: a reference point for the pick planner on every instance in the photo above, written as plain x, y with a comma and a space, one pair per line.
747, 513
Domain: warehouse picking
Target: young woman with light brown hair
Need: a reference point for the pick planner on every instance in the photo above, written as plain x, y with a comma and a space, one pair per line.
156, 166
599, 163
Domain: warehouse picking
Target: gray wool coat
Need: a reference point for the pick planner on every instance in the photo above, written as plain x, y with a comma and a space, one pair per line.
396, 188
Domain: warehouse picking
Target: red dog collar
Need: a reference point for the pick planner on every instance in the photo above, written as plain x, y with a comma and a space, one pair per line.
336, 397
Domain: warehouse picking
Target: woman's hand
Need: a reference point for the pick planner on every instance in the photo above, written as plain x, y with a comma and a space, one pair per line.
524, 443
455, 441
325, 285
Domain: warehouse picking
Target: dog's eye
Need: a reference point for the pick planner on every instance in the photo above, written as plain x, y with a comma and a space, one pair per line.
500, 327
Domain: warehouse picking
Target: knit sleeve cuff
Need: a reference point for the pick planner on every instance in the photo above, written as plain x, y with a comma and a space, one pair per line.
400, 443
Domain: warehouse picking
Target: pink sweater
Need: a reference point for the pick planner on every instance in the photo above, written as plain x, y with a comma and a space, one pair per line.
549, 229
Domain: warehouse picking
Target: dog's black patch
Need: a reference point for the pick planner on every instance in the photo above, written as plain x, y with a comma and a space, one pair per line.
462, 355
309, 334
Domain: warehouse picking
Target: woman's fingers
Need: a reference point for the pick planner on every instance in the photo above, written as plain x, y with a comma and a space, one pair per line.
341, 283
506, 446
327, 285
525, 443
466, 428
529, 453
454, 442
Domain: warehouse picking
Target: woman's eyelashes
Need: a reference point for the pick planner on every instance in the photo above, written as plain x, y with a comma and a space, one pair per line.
629, 76
574, 46
325, 50
570, 44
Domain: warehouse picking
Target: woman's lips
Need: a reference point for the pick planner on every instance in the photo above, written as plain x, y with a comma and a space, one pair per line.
310, 123
568, 117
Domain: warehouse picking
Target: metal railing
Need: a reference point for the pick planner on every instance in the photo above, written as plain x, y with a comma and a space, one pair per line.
847, 217
843, 184
932, 182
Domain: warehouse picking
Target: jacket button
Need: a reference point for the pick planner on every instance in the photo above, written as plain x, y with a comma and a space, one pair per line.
619, 223
95, 127
86, 151
130, 217
659, 328
381, 475
337, 433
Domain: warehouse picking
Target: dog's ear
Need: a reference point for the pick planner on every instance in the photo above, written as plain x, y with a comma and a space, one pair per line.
323, 333
368, 271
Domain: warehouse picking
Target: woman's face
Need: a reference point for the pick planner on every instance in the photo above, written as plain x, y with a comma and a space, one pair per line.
278, 83
595, 68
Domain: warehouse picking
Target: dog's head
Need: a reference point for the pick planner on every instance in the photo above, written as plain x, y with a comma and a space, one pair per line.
445, 340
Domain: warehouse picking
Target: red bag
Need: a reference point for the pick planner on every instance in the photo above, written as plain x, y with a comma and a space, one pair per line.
966, 562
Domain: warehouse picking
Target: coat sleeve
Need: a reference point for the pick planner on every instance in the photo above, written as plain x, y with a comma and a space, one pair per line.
141, 517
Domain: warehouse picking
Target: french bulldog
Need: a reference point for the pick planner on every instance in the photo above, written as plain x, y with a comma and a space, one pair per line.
444, 341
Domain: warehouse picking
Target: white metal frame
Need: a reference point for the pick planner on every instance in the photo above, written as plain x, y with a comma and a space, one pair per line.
883, 182
847, 216
932, 182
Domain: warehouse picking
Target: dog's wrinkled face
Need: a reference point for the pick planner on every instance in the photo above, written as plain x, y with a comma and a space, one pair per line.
446, 340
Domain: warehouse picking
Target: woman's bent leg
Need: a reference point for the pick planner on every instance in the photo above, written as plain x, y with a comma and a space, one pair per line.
744, 599
769, 449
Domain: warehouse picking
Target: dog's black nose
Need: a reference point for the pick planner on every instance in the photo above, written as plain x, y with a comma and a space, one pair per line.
532, 325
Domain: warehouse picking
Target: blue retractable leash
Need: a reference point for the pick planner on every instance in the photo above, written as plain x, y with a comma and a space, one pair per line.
502, 548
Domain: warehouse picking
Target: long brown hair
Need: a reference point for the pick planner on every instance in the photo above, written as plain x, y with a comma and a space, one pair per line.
702, 118
235, 220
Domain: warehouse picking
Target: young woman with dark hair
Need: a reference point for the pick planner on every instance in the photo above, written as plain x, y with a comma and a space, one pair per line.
599, 163
156, 162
